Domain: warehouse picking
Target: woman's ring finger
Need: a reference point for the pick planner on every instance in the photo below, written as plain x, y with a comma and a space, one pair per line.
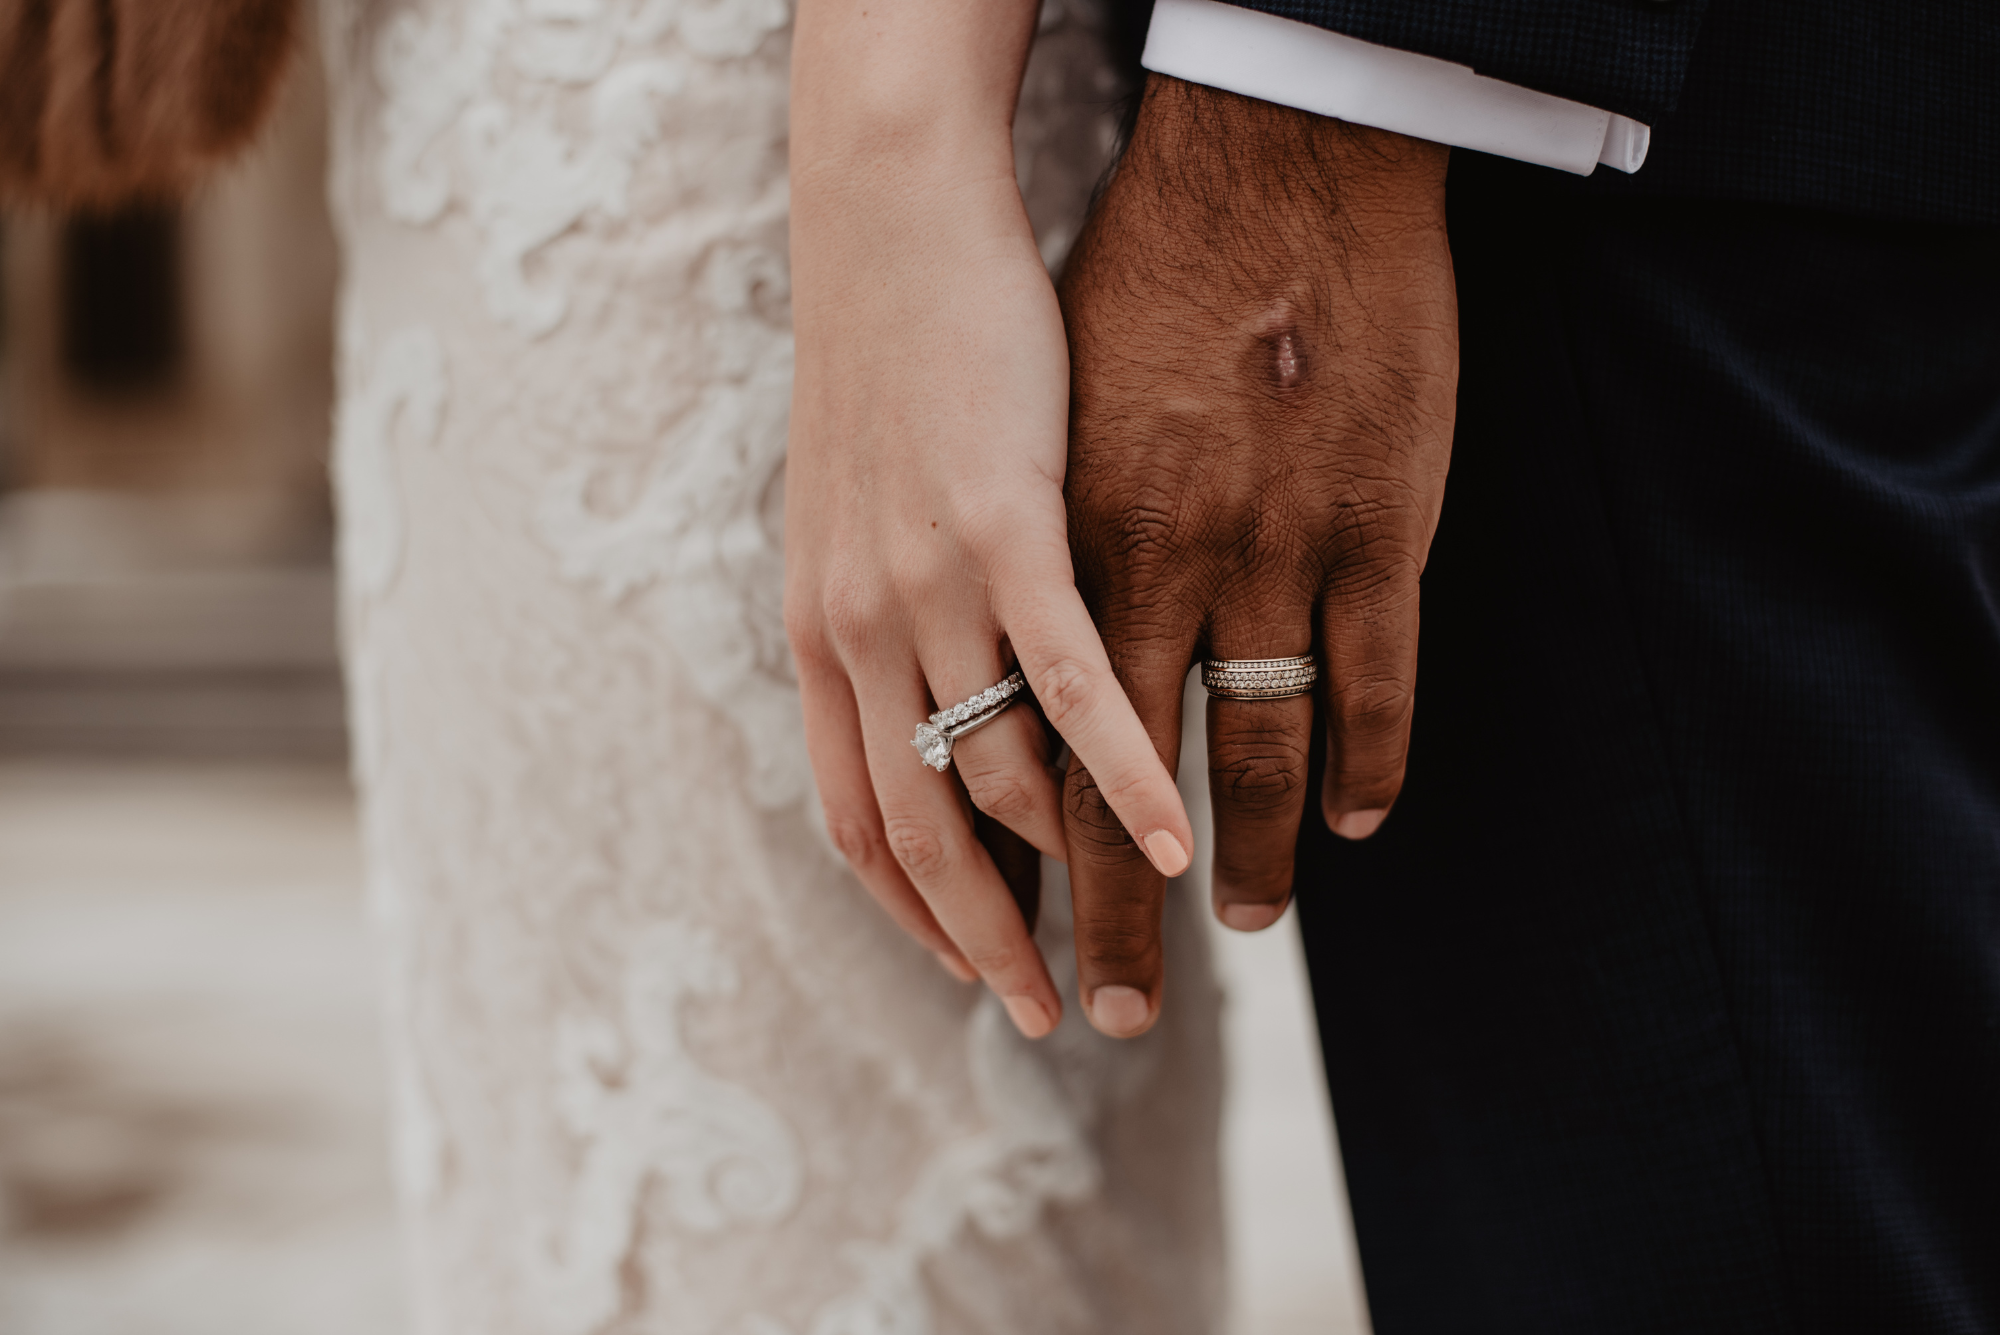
935, 737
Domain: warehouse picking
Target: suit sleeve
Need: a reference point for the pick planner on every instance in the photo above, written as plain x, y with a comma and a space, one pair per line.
1260, 54
1624, 56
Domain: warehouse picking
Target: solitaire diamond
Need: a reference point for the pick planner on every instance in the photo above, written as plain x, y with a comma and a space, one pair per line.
933, 740
933, 747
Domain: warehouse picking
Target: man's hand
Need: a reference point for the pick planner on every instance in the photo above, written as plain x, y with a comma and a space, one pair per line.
1264, 354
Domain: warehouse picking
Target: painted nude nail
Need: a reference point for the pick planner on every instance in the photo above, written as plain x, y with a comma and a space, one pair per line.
1166, 853
1359, 824
1119, 1011
1029, 1016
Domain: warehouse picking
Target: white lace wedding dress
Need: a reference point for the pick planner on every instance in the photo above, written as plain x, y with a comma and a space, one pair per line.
661, 1065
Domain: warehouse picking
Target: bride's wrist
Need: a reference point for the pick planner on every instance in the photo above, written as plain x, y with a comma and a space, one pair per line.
896, 174
885, 244
909, 98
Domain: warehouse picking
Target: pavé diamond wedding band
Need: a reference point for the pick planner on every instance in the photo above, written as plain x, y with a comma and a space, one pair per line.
1259, 678
933, 740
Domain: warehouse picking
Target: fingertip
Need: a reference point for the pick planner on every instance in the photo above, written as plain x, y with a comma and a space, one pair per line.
1358, 824
1250, 917
1030, 1016
1120, 1011
1166, 852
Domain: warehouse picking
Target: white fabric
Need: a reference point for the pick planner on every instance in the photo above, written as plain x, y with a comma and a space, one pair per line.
660, 1063
1297, 65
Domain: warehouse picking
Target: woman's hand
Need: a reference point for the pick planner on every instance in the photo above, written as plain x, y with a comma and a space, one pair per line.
927, 552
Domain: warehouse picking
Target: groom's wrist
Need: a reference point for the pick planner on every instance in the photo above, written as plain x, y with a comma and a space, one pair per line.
1223, 200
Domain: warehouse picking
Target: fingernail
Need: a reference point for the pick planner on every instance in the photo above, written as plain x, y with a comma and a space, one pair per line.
1166, 853
1120, 1011
1359, 824
1250, 917
1029, 1016
956, 967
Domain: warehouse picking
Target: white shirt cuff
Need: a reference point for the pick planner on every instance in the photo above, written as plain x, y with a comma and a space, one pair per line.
1297, 65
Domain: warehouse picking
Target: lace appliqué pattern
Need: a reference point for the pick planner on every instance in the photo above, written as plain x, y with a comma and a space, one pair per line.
400, 385
646, 1112
661, 1064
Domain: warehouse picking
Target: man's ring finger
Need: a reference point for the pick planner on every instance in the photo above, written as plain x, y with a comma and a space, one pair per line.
1259, 678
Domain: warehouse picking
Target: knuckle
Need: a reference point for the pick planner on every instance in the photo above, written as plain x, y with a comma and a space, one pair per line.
920, 847
912, 583
989, 526
811, 650
1375, 709
1124, 941
916, 571
997, 960
1266, 538
852, 609
1131, 527
1004, 794
855, 839
1064, 688
806, 631
1379, 566
1091, 825
1264, 773
1127, 790
1143, 532
802, 624
997, 956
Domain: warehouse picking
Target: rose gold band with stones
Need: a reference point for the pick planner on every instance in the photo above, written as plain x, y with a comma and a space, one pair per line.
1259, 678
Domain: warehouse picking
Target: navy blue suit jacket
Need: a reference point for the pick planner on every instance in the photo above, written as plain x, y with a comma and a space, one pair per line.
1667, 1000
1862, 106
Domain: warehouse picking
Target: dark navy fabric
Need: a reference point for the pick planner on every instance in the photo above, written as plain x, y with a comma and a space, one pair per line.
1668, 997
1628, 56
1869, 106
1889, 110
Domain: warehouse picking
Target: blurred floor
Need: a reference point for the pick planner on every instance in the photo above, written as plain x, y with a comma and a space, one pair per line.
135, 624
191, 1097
191, 1100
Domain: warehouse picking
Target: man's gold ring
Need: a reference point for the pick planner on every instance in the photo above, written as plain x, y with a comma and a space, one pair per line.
1259, 678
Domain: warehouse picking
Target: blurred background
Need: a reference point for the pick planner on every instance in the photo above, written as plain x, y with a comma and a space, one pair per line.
191, 1100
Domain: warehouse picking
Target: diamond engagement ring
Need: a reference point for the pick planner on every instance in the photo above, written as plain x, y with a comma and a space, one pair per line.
933, 740
1259, 678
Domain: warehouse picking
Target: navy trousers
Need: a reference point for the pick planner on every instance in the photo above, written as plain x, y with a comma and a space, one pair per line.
1668, 997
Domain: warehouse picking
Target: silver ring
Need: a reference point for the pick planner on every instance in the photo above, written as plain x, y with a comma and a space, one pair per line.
933, 740
1259, 678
